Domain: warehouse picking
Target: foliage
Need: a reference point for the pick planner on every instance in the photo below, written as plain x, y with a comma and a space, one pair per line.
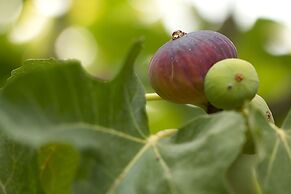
65, 131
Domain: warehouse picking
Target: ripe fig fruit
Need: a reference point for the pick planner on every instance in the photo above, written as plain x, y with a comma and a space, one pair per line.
259, 103
230, 83
178, 68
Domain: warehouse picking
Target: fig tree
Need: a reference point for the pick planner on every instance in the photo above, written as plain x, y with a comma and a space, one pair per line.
178, 68
230, 83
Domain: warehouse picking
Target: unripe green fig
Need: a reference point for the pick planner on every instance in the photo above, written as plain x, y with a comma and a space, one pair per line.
259, 103
230, 83
178, 68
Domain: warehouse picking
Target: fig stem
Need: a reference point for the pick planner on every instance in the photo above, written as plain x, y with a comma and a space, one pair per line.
249, 146
210, 109
152, 97
178, 34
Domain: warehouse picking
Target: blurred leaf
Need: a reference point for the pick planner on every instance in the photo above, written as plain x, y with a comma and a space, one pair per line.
49, 100
57, 167
241, 175
71, 95
18, 168
10, 58
202, 151
274, 146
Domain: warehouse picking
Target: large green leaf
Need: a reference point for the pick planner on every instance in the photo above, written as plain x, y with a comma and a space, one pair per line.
274, 149
54, 92
186, 163
48, 96
51, 109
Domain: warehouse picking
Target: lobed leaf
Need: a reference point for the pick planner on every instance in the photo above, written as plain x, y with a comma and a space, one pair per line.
72, 133
49, 101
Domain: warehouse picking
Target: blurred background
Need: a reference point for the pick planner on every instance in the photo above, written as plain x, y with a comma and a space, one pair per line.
100, 32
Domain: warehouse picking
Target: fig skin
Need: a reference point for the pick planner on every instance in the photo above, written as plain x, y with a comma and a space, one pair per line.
260, 104
230, 83
178, 68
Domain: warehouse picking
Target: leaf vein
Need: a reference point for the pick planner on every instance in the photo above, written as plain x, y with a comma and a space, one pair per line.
101, 130
167, 171
135, 123
2, 187
272, 159
46, 162
14, 161
286, 146
283, 137
126, 170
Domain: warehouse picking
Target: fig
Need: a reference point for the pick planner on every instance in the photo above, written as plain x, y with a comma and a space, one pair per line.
260, 104
178, 68
230, 83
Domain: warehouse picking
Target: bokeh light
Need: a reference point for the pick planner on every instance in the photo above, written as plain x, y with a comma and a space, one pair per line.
53, 8
145, 8
77, 43
280, 43
31, 24
85, 13
174, 14
9, 12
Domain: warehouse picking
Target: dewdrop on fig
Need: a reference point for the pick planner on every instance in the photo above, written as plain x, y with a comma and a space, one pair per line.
178, 68
230, 83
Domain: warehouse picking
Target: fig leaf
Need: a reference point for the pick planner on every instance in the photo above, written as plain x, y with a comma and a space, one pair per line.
63, 131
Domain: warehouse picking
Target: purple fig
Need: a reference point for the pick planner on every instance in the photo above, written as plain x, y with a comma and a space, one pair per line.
178, 68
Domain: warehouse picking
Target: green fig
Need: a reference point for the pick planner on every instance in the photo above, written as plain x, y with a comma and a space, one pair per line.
259, 103
230, 83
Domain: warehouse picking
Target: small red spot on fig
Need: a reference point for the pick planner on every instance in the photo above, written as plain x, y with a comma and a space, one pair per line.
178, 34
238, 77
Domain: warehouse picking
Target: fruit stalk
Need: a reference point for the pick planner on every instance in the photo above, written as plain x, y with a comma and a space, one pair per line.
152, 97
